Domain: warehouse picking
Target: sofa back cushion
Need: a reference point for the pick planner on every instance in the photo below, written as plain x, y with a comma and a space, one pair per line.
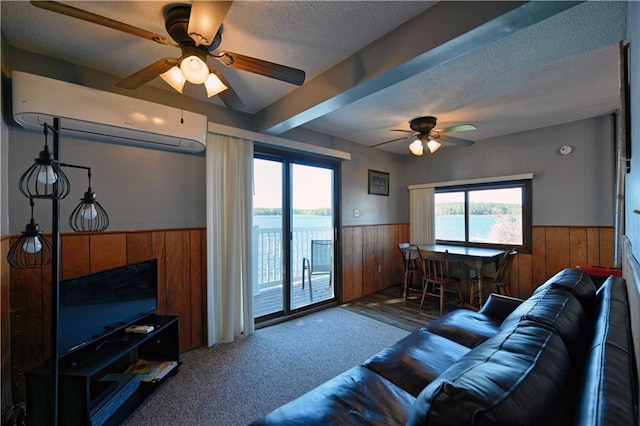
577, 282
511, 379
554, 308
607, 392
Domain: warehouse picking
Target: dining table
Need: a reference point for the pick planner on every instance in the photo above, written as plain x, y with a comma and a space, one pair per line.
475, 257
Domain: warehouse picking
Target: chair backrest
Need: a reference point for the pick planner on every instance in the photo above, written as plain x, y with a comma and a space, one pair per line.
502, 273
321, 255
435, 266
407, 254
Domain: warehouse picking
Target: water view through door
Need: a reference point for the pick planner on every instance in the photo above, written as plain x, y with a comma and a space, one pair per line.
298, 272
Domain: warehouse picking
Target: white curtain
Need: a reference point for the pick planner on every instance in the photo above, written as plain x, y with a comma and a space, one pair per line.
422, 221
229, 205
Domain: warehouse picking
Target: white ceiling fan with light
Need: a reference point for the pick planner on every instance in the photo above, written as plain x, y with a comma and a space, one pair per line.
426, 135
197, 30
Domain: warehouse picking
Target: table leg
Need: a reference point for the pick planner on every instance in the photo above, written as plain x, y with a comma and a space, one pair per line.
478, 266
405, 284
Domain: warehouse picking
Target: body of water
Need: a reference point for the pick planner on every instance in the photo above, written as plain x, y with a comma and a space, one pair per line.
452, 227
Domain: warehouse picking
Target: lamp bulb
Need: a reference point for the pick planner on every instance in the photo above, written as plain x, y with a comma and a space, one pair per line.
416, 147
47, 175
194, 69
32, 245
89, 211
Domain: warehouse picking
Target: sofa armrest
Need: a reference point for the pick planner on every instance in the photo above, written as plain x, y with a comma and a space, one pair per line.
500, 306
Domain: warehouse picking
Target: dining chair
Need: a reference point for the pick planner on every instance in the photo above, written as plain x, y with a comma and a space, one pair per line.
501, 279
437, 279
411, 266
321, 262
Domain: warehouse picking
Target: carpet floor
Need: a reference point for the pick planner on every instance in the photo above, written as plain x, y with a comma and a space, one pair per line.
235, 383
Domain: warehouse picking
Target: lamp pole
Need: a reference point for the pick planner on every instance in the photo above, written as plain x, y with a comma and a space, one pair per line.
55, 282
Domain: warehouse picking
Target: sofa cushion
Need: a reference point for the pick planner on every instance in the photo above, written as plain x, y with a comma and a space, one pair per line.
416, 360
555, 308
608, 389
466, 327
577, 282
511, 379
357, 396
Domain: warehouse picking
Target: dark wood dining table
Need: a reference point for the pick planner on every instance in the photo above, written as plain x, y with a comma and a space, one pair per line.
474, 257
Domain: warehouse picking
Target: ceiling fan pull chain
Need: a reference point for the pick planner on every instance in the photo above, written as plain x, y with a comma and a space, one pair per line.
181, 108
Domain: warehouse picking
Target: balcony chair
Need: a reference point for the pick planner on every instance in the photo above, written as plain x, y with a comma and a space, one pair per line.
321, 262
437, 279
411, 266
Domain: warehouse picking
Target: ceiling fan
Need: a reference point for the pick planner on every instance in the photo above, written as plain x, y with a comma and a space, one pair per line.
197, 30
425, 134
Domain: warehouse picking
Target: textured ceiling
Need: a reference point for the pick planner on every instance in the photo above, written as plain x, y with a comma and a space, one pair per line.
373, 66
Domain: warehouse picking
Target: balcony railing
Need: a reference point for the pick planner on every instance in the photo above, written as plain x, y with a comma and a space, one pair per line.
268, 257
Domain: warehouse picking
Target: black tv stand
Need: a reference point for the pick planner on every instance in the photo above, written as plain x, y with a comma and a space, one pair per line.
94, 388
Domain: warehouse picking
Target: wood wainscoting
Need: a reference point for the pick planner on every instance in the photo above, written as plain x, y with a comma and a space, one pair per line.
182, 280
369, 255
371, 260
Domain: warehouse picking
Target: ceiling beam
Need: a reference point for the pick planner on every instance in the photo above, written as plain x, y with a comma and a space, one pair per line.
446, 31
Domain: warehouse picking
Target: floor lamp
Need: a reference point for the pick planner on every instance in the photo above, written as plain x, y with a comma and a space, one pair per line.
46, 180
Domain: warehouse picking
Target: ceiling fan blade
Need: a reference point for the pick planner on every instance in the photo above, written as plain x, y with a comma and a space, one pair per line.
401, 130
262, 67
101, 20
458, 128
229, 97
205, 20
147, 73
392, 140
457, 141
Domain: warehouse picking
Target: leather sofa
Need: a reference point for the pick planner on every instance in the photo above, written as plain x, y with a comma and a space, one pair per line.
563, 356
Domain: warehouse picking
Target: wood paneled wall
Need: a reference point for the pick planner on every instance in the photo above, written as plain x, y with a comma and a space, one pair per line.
371, 260
181, 287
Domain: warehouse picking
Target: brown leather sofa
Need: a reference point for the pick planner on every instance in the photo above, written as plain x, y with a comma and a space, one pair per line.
562, 356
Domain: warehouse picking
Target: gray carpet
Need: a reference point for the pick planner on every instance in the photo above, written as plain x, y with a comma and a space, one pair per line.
234, 384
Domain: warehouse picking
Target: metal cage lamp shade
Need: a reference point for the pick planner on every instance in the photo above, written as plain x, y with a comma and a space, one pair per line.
45, 178
31, 249
89, 215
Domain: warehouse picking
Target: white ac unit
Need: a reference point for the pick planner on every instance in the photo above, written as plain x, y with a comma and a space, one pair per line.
104, 116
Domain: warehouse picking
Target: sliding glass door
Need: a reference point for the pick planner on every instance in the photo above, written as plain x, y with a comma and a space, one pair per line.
294, 225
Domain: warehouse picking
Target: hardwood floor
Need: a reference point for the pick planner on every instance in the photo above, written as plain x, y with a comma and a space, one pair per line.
389, 307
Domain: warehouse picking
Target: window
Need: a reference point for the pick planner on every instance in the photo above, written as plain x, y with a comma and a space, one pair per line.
496, 214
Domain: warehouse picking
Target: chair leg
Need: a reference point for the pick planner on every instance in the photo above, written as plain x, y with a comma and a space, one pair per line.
310, 289
441, 299
424, 292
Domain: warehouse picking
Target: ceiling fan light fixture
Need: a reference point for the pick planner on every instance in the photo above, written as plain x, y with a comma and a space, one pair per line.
214, 85
416, 147
433, 146
174, 78
194, 69
205, 19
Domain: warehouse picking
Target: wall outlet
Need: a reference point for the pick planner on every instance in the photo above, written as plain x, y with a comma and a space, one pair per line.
379, 268
356, 213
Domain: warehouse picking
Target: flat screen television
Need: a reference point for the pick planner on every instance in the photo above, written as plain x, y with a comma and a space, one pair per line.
96, 305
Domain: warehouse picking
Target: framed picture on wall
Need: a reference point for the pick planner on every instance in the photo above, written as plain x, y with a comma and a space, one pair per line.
378, 183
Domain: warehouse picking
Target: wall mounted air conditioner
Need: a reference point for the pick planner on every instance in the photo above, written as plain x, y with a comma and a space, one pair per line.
88, 113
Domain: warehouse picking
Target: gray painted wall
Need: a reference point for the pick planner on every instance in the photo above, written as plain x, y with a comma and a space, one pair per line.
139, 188
575, 189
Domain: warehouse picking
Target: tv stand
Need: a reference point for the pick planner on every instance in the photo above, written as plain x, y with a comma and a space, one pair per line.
93, 386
